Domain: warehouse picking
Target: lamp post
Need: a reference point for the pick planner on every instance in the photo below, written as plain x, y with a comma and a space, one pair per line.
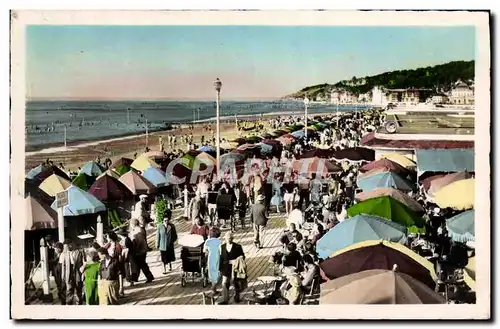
306, 102
218, 86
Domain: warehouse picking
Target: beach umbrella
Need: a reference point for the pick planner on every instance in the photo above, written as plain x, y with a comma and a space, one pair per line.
227, 159
240, 141
137, 184
378, 287
39, 215
387, 164
91, 168
187, 160
41, 172
287, 129
279, 132
400, 159
315, 165
204, 161
254, 139
141, 163
266, 136
317, 153
272, 142
381, 255
285, 141
391, 209
109, 172
83, 181
299, 134
179, 171
441, 182
266, 148
207, 148
312, 128
470, 273
357, 229
155, 176
54, 184
121, 170
355, 154
122, 162
294, 127
461, 227
35, 171
372, 172
289, 137
393, 193
458, 195
245, 147
80, 203
108, 188
426, 183
384, 179
31, 188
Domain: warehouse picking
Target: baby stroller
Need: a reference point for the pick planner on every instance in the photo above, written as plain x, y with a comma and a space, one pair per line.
194, 264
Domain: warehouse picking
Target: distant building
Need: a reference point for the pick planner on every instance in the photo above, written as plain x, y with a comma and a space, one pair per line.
379, 97
407, 95
338, 96
439, 99
462, 94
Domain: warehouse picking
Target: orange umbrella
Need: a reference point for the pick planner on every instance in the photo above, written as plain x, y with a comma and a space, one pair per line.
136, 183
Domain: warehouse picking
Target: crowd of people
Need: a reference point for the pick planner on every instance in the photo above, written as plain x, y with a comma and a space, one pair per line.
312, 203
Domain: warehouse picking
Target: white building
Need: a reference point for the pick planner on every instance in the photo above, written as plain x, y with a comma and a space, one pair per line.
378, 97
439, 99
462, 94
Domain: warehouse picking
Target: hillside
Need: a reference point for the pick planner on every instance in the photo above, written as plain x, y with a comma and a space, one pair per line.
438, 77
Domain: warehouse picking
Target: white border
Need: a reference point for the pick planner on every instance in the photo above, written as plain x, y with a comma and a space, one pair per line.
479, 20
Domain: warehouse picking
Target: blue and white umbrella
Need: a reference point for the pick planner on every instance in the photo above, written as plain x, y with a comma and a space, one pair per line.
155, 176
384, 179
91, 168
461, 228
80, 203
34, 172
206, 148
299, 134
358, 229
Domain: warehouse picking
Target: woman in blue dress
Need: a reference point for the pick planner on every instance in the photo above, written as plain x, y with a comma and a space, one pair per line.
212, 250
277, 198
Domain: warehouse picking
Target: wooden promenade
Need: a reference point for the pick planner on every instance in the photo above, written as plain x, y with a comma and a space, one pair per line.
167, 289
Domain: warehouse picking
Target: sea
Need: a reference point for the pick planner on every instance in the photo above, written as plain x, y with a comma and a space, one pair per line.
96, 120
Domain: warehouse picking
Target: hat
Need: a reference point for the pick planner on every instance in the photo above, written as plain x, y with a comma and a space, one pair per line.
143, 196
437, 210
122, 231
261, 197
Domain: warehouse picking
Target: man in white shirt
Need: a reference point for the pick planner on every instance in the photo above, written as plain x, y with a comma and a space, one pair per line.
295, 217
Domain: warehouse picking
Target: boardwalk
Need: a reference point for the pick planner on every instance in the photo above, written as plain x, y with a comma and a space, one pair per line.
167, 289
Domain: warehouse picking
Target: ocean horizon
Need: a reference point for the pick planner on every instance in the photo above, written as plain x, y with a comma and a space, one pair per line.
87, 120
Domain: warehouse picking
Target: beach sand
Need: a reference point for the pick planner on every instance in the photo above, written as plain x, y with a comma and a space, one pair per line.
75, 156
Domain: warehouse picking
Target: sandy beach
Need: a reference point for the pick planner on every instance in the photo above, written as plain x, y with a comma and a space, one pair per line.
75, 156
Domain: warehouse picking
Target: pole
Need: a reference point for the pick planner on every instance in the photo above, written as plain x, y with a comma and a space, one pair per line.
65, 137
128, 116
186, 205
194, 116
99, 231
60, 224
44, 259
305, 121
218, 132
147, 136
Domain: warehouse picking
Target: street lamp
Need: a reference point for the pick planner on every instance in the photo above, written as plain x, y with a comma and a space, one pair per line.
306, 102
218, 86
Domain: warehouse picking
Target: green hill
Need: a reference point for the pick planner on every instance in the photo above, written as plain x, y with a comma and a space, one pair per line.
438, 77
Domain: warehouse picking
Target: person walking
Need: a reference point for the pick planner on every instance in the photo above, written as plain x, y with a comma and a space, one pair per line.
140, 250
90, 270
229, 252
166, 235
212, 251
108, 283
277, 198
259, 218
71, 261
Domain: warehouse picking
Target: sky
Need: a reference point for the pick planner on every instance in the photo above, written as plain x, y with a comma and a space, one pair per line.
253, 62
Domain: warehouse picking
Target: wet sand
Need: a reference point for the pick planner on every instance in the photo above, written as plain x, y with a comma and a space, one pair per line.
76, 155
